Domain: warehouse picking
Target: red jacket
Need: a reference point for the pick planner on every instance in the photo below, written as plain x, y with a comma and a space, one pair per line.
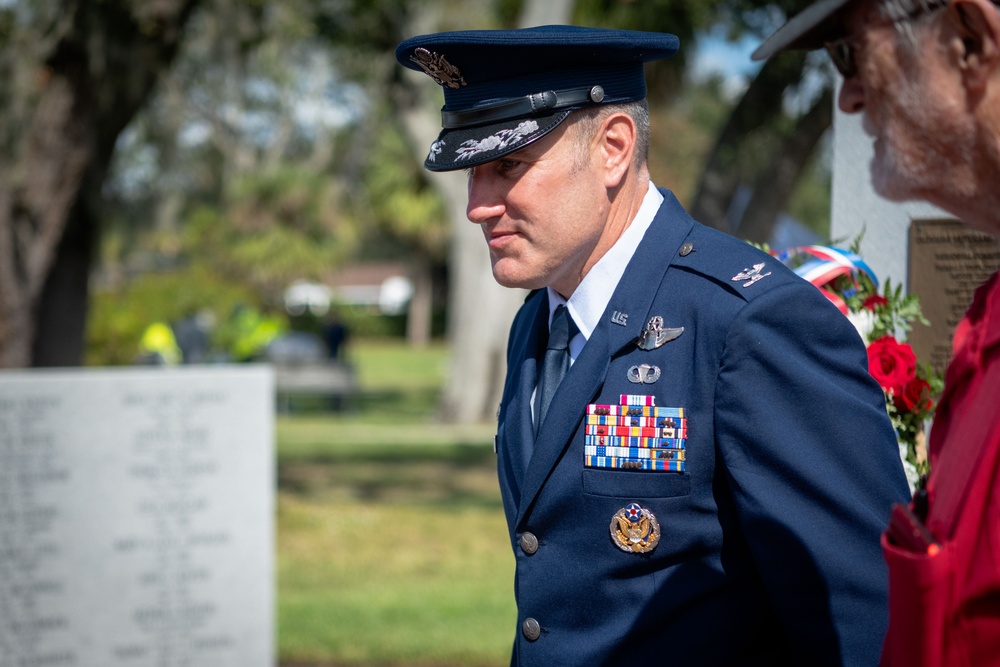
944, 610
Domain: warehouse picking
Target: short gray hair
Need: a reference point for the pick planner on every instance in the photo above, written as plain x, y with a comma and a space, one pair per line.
590, 118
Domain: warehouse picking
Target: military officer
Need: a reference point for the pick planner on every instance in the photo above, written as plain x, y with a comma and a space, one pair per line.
694, 461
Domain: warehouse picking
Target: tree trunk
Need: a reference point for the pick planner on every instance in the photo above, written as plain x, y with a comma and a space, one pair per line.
62, 310
480, 311
760, 104
78, 83
419, 313
39, 187
546, 12
776, 185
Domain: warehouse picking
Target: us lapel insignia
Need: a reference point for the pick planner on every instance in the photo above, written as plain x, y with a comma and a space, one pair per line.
643, 374
635, 529
655, 335
437, 68
751, 275
620, 318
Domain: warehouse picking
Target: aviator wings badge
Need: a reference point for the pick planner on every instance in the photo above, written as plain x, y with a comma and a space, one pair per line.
655, 335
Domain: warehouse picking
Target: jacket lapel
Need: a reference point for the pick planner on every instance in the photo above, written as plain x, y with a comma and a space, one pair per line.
632, 299
517, 416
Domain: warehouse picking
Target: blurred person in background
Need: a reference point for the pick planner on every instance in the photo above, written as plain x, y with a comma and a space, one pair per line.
335, 335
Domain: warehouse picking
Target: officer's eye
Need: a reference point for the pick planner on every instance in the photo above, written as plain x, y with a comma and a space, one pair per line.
506, 166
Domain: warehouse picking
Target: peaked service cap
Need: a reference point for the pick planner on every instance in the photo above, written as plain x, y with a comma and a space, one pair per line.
504, 89
809, 29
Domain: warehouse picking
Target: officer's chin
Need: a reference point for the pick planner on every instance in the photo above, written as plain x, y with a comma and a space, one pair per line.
516, 282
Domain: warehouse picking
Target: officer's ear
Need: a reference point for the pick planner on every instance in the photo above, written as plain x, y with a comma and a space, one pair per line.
975, 39
616, 141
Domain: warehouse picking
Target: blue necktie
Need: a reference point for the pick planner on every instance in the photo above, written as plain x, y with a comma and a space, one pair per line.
556, 361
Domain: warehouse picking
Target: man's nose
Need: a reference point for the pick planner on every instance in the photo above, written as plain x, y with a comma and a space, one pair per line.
852, 96
485, 199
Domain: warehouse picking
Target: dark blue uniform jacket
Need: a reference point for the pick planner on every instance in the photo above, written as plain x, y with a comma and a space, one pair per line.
769, 552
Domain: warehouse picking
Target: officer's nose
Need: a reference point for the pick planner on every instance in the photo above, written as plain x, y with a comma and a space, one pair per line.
485, 197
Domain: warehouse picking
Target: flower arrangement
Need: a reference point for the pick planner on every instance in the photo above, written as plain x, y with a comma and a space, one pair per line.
883, 318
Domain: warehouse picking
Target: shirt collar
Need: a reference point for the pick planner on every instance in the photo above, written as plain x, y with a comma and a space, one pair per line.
590, 299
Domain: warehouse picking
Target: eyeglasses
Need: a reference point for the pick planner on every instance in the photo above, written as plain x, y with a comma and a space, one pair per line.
842, 52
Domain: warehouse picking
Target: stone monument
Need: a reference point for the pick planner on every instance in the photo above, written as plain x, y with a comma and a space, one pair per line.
136, 517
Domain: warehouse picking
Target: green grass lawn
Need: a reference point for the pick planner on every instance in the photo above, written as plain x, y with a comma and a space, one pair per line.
392, 546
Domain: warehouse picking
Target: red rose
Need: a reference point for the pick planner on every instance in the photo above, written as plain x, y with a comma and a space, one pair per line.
915, 397
874, 301
891, 363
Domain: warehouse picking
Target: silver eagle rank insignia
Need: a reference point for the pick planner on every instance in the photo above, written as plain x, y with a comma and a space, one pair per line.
751, 275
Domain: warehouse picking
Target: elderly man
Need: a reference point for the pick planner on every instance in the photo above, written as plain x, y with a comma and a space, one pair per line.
926, 76
694, 462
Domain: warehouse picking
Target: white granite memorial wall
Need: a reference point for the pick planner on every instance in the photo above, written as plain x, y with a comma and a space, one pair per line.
137, 517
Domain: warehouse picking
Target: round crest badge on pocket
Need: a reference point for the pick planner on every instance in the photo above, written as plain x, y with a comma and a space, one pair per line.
635, 530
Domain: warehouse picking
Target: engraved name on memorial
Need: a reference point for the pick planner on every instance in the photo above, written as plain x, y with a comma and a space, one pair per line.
136, 518
947, 261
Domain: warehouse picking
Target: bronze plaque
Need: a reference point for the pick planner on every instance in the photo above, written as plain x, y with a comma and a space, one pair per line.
948, 261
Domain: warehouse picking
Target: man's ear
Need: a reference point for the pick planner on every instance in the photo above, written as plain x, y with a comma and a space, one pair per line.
976, 24
617, 138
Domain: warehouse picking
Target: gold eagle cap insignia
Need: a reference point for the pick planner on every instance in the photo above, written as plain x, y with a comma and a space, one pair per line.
438, 68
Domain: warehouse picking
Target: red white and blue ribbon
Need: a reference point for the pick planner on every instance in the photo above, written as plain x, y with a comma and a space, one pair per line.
820, 265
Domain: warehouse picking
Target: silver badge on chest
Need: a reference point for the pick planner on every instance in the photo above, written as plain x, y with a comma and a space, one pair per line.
643, 374
655, 335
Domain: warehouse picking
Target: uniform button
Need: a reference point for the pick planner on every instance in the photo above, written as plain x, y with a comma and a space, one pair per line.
531, 629
686, 249
529, 543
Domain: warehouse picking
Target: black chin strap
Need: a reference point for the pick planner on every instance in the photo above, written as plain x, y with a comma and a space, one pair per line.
550, 100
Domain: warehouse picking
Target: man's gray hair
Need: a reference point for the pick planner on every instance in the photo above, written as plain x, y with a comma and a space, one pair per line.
590, 118
905, 14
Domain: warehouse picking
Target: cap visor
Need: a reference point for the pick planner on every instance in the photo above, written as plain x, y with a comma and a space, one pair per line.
472, 146
807, 30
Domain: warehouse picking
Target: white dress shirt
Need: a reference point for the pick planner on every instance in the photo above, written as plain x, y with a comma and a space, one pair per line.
590, 299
